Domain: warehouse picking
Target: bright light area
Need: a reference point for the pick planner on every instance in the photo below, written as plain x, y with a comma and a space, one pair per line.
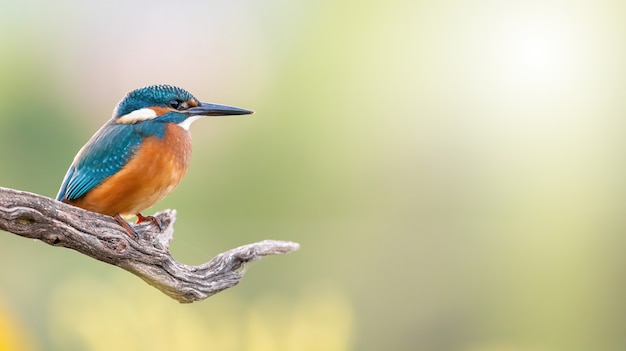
536, 50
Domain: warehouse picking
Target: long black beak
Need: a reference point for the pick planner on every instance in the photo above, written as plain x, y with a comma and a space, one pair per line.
207, 109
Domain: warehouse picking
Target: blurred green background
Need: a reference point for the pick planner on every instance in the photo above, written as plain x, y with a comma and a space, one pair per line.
454, 172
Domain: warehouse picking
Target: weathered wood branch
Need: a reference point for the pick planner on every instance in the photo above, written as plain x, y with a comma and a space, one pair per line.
147, 255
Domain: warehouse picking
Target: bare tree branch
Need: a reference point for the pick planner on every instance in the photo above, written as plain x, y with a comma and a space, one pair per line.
147, 256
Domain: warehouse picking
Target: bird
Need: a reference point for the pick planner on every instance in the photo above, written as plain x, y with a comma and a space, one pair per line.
139, 155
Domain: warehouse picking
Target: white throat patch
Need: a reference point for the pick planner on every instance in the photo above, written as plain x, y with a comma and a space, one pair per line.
187, 123
143, 114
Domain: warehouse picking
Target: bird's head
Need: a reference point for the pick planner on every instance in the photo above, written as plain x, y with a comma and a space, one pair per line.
166, 103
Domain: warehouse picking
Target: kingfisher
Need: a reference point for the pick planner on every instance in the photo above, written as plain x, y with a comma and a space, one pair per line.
139, 155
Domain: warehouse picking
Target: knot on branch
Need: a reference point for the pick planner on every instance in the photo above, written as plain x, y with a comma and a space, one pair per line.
115, 244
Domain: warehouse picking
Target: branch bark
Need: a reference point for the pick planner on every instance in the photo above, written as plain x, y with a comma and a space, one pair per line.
147, 255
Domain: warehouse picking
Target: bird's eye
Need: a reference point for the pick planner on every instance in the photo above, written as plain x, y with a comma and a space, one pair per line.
177, 104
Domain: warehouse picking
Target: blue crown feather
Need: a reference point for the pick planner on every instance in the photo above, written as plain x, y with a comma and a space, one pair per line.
154, 95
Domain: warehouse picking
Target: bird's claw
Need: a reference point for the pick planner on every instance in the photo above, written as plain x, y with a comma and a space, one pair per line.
125, 225
156, 221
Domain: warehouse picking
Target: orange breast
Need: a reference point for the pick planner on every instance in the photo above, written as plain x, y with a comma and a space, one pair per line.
155, 170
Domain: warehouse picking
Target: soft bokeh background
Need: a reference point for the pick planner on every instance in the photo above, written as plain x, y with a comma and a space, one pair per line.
454, 172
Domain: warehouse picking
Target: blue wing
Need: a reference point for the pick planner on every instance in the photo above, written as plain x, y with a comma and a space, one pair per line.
104, 155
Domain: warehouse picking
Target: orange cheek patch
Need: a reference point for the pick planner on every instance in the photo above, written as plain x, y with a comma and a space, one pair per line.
160, 111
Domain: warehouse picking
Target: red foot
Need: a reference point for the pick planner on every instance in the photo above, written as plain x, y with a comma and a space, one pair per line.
125, 225
141, 218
